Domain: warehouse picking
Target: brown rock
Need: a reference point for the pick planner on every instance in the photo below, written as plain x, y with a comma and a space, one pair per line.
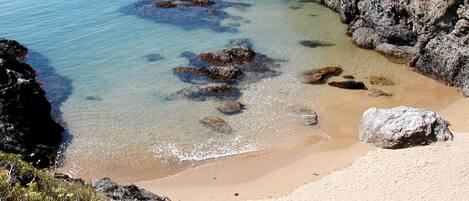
217, 124
380, 80
348, 77
377, 93
231, 107
319, 76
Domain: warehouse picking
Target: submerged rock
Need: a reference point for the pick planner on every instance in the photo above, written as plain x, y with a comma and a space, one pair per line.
26, 125
378, 93
217, 124
217, 91
231, 107
380, 80
222, 73
236, 55
315, 43
309, 117
402, 127
350, 77
183, 3
348, 84
116, 192
319, 76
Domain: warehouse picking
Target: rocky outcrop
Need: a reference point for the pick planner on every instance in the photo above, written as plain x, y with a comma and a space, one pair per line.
430, 35
402, 127
26, 125
216, 91
221, 73
236, 55
116, 192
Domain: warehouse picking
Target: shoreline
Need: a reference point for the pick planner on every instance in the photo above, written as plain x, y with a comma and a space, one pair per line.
278, 173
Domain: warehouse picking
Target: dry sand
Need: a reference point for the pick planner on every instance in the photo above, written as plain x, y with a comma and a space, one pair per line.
436, 172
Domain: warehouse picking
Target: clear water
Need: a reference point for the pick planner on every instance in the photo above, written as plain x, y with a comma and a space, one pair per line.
91, 56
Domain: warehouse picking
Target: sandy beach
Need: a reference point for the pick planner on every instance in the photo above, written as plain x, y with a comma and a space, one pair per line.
276, 174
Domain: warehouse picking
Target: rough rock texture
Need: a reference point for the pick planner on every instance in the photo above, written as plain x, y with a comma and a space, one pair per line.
116, 192
402, 127
26, 125
183, 3
230, 56
217, 91
431, 35
217, 124
222, 73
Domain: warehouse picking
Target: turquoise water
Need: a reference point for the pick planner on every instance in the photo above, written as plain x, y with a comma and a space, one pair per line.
92, 59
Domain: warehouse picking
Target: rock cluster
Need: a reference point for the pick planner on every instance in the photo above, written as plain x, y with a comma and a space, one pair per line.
319, 76
26, 125
402, 127
431, 35
183, 3
116, 192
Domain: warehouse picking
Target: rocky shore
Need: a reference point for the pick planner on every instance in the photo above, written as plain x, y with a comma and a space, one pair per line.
432, 36
26, 125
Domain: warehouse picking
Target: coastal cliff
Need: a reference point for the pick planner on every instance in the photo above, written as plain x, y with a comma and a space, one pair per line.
432, 36
26, 125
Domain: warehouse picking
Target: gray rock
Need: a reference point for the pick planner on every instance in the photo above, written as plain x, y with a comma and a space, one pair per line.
116, 192
402, 127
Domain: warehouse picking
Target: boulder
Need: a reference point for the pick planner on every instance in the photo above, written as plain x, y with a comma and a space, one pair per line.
217, 124
183, 3
116, 192
319, 76
231, 107
348, 84
402, 127
26, 125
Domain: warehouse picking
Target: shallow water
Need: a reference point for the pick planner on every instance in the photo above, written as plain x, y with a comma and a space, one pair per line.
93, 59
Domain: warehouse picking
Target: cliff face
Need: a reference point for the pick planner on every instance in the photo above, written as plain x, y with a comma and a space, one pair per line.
26, 126
431, 35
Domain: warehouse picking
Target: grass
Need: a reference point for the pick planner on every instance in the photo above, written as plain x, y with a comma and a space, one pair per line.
19, 180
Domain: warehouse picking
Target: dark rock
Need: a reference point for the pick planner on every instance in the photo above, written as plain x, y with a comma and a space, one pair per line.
183, 3
26, 125
319, 76
223, 73
116, 192
217, 124
231, 107
66, 177
380, 80
153, 57
377, 93
236, 55
402, 127
348, 85
350, 77
431, 35
217, 91
315, 43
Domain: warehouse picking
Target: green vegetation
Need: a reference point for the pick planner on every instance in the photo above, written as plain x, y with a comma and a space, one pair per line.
19, 180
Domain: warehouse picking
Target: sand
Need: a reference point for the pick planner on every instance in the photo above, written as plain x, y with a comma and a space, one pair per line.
436, 172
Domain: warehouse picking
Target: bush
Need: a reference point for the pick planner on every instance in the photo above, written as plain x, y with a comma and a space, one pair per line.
19, 180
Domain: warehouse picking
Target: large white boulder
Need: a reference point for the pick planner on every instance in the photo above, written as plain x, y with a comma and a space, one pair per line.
402, 127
